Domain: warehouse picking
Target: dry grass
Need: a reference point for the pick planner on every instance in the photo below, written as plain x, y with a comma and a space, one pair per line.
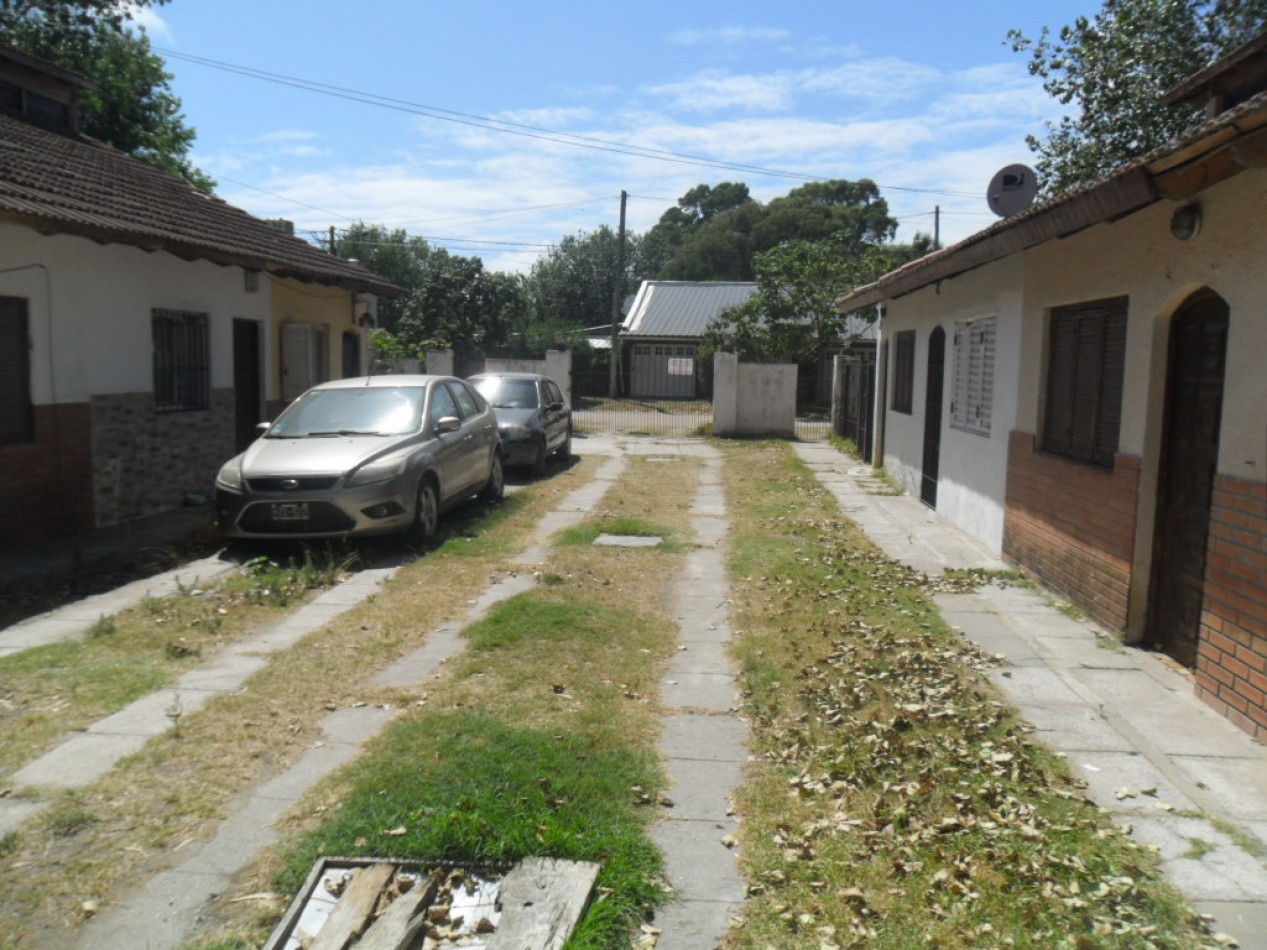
99, 843
174, 790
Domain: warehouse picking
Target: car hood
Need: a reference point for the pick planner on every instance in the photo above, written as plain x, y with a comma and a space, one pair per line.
329, 455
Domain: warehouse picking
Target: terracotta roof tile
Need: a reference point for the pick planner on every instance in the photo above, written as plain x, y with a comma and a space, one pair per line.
60, 184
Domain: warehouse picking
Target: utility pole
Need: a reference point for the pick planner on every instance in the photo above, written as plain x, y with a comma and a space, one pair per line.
936, 227
332, 245
618, 295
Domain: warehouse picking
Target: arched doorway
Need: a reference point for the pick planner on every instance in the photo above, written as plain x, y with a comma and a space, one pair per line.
932, 417
1189, 458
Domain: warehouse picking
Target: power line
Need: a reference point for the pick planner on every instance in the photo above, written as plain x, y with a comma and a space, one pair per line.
508, 127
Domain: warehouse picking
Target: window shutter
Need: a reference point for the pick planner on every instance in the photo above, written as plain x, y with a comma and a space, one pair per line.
1086, 361
297, 360
972, 407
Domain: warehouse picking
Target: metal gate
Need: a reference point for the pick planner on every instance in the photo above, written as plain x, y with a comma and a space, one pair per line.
813, 401
853, 399
664, 393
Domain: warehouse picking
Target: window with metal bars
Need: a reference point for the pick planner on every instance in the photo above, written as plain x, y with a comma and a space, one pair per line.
1086, 362
973, 400
904, 371
182, 373
16, 415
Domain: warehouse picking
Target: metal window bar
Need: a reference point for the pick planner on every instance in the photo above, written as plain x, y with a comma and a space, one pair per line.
182, 377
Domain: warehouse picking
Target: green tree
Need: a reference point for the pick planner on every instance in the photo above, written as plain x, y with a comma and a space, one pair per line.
1113, 69
713, 239
574, 283
793, 317
392, 255
132, 107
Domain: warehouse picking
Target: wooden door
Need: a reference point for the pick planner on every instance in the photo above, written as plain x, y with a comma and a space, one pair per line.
247, 386
932, 417
1190, 447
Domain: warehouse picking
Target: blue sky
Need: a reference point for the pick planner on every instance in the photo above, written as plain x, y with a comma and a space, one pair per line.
913, 94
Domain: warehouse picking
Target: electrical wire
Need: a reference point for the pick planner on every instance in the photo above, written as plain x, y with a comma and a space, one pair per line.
508, 127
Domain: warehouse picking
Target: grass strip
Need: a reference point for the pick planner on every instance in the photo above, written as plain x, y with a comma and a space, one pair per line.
894, 800
538, 739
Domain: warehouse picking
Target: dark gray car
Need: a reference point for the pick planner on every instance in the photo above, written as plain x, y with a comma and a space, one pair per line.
365, 456
532, 415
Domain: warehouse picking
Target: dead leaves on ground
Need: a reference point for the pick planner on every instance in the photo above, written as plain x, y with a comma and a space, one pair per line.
900, 758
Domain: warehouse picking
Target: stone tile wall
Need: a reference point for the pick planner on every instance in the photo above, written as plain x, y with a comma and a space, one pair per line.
46, 483
145, 462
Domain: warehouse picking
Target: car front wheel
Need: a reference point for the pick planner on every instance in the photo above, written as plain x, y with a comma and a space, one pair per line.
426, 512
539, 463
495, 488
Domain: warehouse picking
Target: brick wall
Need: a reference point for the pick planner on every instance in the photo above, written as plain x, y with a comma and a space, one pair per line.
46, 484
145, 462
1231, 669
1073, 526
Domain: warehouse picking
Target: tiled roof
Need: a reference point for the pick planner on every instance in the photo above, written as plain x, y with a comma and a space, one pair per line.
60, 184
670, 308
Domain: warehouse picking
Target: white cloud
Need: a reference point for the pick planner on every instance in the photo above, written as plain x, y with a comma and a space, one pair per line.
728, 36
147, 17
715, 90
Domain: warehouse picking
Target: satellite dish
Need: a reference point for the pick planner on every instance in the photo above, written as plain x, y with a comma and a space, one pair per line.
1012, 189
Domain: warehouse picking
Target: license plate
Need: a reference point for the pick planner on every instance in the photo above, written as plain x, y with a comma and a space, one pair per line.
290, 511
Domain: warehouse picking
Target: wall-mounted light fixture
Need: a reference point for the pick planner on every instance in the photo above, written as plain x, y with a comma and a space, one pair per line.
1185, 223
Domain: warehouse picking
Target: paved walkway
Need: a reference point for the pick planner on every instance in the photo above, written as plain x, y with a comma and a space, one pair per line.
1126, 720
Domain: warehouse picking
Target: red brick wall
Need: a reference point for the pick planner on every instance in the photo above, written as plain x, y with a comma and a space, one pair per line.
46, 484
1073, 526
1231, 669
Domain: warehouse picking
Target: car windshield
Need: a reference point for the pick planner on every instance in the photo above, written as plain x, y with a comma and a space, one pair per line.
508, 393
367, 410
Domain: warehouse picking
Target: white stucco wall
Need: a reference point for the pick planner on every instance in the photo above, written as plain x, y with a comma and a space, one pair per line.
1138, 257
753, 398
89, 311
972, 480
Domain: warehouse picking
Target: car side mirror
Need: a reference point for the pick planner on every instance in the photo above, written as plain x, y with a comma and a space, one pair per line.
448, 424
262, 427
555, 406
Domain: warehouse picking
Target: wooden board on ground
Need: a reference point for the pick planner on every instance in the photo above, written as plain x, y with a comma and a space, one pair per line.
542, 901
391, 905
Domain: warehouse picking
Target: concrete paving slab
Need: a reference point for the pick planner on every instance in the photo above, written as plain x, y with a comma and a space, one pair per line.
701, 789
1225, 874
1172, 724
695, 924
1074, 729
1174, 836
240, 837
1237, 783
79, 761
704, 737
148, 716
627, 541
225, 672
356, 724
1015, 600
411, 669
1247, 922
701, 656
1110, 772
711, 691
989, 632
697, 862
1035, 685
163, 911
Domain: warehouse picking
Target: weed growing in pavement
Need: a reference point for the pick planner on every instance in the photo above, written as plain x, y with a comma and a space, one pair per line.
279, 585
67, 817
894, 800
104, 627
9, 843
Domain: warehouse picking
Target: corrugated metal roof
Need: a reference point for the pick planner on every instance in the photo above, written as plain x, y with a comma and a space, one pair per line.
60, 184
675, 308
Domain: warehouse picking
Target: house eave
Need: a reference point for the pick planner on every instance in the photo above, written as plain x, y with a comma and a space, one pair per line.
1175, 172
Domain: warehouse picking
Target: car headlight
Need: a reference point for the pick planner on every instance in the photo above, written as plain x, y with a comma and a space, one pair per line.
380, 470
230, 475
515, 433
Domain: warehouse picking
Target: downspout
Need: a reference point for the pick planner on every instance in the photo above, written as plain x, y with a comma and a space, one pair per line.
881, 391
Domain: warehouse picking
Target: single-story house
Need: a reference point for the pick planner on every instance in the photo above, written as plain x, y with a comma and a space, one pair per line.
1081, 386
661, 333
145, 327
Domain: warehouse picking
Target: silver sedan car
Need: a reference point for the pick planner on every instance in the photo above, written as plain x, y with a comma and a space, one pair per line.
366, 456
